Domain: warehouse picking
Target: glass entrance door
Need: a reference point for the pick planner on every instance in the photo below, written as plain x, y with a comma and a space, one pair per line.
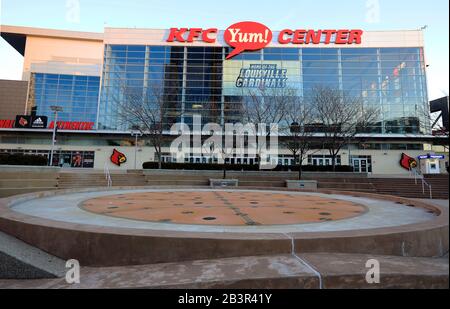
360, 166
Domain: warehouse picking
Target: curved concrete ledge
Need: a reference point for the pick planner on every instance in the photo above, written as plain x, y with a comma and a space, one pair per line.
259, 272
111, 246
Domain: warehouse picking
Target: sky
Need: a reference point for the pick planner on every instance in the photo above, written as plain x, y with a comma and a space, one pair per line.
94, 15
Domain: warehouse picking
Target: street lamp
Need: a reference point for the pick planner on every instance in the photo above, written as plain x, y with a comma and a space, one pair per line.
55, 110
135, 132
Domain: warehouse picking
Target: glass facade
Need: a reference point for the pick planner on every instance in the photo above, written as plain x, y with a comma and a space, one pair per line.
77, 95
197, 80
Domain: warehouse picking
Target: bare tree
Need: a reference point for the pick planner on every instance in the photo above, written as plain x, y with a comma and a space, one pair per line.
148, 111
268, 108
219, 145
340, 118
298, 131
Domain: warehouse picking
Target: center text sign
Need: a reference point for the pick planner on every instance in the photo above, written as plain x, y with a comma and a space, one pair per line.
252, 36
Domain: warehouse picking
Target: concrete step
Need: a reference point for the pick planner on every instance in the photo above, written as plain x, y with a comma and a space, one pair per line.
269, 184
5, 192
178, 182
28, 175
345, 185
262, 272
28, 183
21, 261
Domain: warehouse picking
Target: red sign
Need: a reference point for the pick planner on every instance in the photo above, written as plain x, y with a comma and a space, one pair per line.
247, 35
118, 158
320, 36
62, 125
7, 124
180, 35
254, 36
73, 125
407, 162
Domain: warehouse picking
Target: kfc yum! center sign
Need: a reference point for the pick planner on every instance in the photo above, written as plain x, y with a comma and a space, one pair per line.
252, 36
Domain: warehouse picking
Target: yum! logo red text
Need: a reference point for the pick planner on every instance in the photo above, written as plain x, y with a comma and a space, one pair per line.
247, 36
252, 36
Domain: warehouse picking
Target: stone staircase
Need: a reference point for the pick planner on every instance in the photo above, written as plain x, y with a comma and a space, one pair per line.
347, 184
26, 181
21, 182
68, 180
407, 187
439, 185
263, 180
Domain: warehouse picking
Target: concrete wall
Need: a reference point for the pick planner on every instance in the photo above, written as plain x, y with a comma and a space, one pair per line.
62, 56
13, 96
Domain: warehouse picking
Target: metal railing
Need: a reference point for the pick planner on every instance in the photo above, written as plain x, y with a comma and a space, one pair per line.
107, 175
417, 175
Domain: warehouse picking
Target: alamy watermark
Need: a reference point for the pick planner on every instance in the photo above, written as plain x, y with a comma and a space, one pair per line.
373, 274
373, 11
228, 141
73, 11
73, 274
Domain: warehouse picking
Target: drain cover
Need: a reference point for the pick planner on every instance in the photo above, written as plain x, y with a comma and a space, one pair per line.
325, 214
209, 218
187, 212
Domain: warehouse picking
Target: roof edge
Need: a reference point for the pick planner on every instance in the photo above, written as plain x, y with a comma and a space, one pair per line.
43, 32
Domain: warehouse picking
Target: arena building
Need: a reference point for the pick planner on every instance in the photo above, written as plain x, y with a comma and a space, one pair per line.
88, 75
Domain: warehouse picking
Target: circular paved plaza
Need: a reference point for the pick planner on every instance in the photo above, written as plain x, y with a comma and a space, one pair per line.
135, 226
224, 208
209, 210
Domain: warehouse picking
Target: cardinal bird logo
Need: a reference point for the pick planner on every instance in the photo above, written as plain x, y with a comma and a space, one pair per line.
407, 162
23, 122
118, 158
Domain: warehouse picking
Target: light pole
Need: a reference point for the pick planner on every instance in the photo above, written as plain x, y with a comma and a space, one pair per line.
136, 133
55, 109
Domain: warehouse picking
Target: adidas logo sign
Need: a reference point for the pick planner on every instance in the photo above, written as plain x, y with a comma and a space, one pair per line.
38, 122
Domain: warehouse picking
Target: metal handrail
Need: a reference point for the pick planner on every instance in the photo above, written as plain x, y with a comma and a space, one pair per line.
107, 175
419, 175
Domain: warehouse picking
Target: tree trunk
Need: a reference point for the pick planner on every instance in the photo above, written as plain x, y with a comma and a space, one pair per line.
300, 163
333, 161
159, 160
